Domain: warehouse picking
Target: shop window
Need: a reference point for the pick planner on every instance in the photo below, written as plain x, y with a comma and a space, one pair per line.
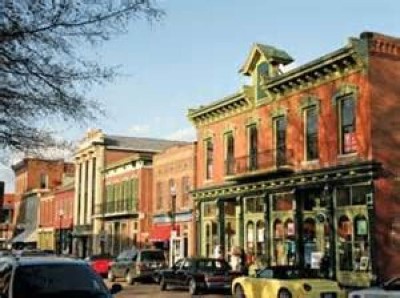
311, 133
255, 205
309, 237
230, 233
347, 125
253, 147
394, 233
260, 247
209, 159
250, 236
210, 210
230, 209
283, 202
361, 243
284, 248
229, 154
345, 243
208, 240
352, 195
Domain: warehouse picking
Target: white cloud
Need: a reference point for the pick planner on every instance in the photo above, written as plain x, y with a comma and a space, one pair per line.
139, 129
183, 134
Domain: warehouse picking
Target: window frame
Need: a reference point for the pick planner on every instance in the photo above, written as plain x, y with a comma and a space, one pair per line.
229, 145
308, 134
342, 128
209, 158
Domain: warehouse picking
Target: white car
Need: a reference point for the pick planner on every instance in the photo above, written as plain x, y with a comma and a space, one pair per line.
388, 289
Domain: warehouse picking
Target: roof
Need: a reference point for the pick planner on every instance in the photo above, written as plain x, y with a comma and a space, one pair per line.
140, 144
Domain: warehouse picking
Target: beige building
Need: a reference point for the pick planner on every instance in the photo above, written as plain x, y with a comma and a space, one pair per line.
94, 156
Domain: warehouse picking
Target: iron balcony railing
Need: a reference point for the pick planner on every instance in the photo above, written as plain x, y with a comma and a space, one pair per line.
265, 160
116, 207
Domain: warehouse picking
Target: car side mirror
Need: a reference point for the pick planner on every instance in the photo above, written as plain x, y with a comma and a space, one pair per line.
115, 288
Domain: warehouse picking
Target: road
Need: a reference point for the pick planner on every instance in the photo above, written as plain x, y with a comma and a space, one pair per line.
152, 290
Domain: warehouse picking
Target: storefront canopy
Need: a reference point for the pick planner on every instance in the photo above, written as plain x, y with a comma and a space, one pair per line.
161, 233
28, 236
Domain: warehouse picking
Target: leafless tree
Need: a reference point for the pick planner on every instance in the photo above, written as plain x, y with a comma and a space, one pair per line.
43, 73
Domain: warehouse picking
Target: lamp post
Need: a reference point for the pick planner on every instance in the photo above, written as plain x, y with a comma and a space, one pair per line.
173, 205
60, 214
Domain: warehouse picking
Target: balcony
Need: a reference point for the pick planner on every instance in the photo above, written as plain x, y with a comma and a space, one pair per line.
258, 164
116, 208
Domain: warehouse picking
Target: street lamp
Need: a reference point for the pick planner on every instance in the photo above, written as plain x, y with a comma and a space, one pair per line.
173, 203
60, 214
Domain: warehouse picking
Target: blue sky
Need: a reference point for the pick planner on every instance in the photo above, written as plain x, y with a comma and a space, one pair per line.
193, 55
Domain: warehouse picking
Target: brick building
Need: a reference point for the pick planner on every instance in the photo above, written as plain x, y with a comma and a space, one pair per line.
34, 180
93, 158
305, 163
173, 229
6, 220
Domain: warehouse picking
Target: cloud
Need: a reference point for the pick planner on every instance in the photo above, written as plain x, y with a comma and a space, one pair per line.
139, 129
183, 134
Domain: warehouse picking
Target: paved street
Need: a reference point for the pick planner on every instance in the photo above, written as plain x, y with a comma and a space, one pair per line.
153, 291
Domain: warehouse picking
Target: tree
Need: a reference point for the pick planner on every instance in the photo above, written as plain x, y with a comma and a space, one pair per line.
42, 72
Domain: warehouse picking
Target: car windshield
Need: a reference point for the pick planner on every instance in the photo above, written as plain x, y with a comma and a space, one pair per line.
153, 256
286, 273
58, 281
212, 265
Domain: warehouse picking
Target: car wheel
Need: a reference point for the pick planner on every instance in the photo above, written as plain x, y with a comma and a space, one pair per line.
110, 276
163, 284
129, 278
193, 289
284, 293
239, 292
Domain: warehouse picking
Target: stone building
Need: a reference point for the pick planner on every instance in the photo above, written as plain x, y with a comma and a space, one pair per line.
303, 164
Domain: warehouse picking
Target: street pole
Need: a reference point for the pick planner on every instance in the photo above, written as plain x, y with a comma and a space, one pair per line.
61, 214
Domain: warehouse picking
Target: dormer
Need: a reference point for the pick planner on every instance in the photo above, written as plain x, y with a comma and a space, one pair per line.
263, 63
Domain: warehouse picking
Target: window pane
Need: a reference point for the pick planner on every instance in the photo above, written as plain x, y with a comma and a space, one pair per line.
311, 133
343, 196
209, 159
347, 131
280, 132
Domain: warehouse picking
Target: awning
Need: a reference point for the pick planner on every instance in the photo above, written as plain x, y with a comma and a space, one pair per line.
161, 233
27, 236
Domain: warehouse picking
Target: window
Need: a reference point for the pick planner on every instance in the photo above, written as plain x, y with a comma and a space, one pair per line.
253, 147
311, 131
159, 197
347, 125
209, 159
255, 205
280, 140
352, 195
230, 154
44, 179
250, 236
185, 190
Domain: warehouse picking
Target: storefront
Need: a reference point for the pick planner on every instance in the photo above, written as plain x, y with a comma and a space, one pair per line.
296, 221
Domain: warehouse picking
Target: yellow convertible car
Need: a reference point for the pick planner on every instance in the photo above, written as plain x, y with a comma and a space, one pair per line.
285, 282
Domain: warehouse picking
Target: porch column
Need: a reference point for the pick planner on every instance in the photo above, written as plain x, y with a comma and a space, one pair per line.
221, 224
239, 221
372, 234
299, 199
267, 222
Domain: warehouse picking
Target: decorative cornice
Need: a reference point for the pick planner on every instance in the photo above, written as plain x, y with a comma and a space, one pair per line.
358, 172
226, 107
343, 90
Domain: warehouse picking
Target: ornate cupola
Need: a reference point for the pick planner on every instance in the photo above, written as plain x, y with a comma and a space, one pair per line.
264, 63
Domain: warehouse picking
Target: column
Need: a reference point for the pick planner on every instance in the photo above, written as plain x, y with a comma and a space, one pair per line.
76, 195
267, 226
89, 190
221, 225
239, 222
82, 193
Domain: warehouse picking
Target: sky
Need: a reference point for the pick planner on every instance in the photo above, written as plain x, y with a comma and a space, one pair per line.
192, 56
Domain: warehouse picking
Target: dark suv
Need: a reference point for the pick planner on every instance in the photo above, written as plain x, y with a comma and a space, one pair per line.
135, 265
50, 277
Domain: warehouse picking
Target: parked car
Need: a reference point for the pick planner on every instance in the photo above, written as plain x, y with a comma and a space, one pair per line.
198, 274
137, 265
100, 263
388, 289
51, 277
285, 282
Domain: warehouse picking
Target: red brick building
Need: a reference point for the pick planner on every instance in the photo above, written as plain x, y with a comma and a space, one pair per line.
6, 221
173, 224
35, 179
304, 163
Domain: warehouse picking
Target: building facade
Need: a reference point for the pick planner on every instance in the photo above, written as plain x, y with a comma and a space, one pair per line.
125, 209
95, 153
35, 178
303, 164
6, 220
46, 228
173, 225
